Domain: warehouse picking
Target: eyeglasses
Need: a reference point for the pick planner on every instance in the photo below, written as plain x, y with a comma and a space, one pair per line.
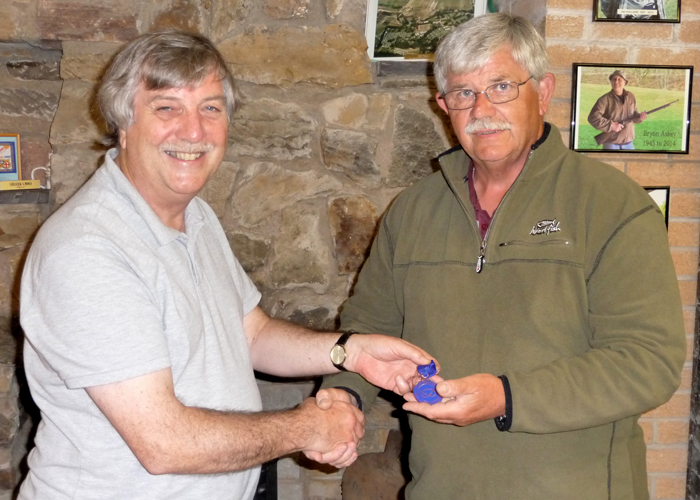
498, 93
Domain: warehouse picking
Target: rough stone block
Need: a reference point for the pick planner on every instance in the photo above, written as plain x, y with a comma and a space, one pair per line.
78, 118
218, 190
264, 189
334, 56
187, 15
353, 222
250, 252
86, 61
324, 489
100, 20
286, 9
318, 318
351, 153
71, 166
288, 468
225, 16
301, 257
347, 111
378, 111
270, 129
377, 476
27, 102
283, 396
9, 419
35, 69
416, 145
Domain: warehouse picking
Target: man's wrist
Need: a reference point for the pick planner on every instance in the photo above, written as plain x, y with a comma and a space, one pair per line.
358, 399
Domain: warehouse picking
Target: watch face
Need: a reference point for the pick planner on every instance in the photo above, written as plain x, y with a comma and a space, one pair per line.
338, 354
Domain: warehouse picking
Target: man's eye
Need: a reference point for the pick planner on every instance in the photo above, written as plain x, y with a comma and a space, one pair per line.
164, 108
502, 87
465, 93
213, 109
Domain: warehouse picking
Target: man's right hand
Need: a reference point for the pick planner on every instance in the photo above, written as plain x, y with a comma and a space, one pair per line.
616, 127
336, 426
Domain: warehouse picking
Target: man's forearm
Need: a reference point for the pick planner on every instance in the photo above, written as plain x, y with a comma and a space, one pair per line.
169, 437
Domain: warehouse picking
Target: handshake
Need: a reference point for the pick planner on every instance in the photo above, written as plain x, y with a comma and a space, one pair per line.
333, 422
335, 425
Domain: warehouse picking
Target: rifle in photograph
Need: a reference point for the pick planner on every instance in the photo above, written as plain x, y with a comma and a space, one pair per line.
599, 138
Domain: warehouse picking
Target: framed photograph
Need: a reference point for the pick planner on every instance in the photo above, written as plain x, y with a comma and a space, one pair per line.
662, 196
631, 109
650, 11
399, 30
10, 160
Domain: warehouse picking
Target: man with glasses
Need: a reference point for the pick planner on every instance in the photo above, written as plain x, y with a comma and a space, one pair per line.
542, 281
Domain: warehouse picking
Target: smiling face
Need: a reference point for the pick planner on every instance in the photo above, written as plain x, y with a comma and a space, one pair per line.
175, 144
499, 135
618, 83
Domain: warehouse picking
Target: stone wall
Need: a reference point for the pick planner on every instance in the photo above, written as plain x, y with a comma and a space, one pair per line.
324, 141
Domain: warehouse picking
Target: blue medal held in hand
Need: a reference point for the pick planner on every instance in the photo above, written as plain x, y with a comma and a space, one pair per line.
424, 391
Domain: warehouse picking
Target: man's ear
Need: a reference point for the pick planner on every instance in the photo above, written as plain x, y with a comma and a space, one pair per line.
546, 91
441, 103
122, 139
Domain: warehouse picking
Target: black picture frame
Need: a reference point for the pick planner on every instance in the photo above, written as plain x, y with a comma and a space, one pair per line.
646, 11
665, 92
662, 196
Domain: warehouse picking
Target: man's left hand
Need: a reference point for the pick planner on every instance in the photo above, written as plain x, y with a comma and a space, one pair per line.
387, 362
465, 400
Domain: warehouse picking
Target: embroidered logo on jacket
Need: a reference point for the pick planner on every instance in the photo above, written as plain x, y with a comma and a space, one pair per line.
545, 227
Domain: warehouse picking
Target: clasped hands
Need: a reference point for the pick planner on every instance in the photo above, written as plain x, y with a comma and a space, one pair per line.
391, 364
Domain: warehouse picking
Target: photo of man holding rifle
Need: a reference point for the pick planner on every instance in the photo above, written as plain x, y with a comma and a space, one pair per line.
631, 108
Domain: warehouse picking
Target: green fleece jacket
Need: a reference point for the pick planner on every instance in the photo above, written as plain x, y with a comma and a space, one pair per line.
577, 303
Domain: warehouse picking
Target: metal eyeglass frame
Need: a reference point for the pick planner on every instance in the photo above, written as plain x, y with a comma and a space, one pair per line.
486, 93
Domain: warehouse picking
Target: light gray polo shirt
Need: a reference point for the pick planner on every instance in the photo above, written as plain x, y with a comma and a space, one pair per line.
110, 293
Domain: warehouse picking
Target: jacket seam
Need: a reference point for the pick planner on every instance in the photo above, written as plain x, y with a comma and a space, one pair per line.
619, 228
612, 439
389, 241
472, 264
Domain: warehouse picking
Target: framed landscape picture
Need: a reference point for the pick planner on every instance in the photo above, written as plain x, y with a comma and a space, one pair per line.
650, 11
631, 109
399, 30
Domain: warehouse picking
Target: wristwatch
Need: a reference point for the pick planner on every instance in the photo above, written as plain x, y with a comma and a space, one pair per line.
338, 352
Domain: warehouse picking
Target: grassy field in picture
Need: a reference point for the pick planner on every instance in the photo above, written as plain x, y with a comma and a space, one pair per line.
661, 131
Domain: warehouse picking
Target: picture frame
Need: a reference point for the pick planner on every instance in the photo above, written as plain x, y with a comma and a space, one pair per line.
10, 161
600, 123
399, 30
662, 196
647, 11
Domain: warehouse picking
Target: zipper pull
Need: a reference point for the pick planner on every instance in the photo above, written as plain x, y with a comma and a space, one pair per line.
480, 258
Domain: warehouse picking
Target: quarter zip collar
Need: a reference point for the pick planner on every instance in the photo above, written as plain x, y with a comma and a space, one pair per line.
456, 164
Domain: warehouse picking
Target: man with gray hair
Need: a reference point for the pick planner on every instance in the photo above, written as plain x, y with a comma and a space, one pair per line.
143, 331
542, 281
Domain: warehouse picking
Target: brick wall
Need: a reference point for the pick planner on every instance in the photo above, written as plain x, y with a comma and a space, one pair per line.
573, 37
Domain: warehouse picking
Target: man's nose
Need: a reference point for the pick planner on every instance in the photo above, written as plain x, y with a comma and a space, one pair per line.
482, 106
192, 127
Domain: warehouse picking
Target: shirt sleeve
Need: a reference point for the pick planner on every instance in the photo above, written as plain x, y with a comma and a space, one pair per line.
91, 316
